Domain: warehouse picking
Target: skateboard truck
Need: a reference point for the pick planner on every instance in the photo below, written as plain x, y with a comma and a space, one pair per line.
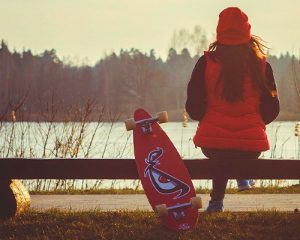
145, 124
177, 210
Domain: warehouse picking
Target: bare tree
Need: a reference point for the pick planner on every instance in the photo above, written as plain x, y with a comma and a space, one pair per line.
195, 41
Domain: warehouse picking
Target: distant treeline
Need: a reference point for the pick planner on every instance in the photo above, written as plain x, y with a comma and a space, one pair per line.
44, 88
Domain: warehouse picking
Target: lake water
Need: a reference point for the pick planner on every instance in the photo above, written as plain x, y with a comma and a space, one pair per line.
111, 140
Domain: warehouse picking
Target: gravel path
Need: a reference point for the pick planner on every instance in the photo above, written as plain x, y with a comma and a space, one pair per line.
233, 202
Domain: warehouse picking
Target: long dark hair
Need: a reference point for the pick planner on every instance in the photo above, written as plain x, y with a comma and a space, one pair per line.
236, 61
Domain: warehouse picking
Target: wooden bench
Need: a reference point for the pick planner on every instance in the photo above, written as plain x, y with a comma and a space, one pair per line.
15, 198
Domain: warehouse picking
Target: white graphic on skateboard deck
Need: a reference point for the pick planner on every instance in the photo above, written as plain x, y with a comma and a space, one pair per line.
163, 182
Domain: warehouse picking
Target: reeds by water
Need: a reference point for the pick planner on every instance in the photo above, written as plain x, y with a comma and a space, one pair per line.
88, 139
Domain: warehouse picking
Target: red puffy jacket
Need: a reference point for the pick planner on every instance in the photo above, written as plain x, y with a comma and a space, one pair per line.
227, 125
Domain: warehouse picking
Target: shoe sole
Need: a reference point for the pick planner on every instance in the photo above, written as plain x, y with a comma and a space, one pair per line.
244, 188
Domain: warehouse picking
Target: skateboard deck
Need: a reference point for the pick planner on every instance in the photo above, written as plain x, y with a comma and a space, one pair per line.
165, 179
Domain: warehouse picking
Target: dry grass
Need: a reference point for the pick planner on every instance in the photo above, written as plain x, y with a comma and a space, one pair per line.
55, 224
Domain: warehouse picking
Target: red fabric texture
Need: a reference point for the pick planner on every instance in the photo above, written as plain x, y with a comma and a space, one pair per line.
233, 27
226, 125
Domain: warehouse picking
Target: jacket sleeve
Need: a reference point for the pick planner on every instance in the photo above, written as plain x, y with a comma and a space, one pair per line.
196, 93
269, 105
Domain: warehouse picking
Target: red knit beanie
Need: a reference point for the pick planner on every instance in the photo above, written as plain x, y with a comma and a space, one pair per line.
233, 27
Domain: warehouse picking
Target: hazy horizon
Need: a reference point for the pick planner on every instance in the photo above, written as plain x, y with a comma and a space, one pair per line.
90, 29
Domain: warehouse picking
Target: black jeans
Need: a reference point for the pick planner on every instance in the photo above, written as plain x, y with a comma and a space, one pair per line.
219, 156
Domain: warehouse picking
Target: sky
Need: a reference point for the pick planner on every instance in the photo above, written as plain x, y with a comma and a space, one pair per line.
87, 30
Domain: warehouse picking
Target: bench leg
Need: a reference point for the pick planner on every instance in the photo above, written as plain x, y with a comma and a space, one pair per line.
14, 198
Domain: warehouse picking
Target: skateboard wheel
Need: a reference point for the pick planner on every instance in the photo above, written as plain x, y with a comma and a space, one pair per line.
162, 117
161, 210
130, 124
196, 202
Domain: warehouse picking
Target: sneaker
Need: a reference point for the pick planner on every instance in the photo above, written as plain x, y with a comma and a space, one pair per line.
243, 185
251, 182
215, 206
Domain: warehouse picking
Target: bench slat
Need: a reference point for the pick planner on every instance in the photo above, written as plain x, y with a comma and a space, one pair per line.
23, 168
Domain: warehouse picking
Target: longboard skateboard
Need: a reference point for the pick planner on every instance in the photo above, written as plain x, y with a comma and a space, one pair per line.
165, 179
